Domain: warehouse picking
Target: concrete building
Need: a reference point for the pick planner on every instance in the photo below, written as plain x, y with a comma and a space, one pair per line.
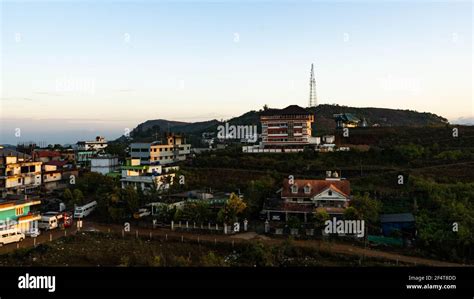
147, 177
174, 149
16, 214
171, 149
18, 173
98, 145
104, 164
141, 151
58, 175
288, 127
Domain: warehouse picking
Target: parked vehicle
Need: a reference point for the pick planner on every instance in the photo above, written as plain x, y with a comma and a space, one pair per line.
11, 236
65, 219
83, 211
48, 222
33, 233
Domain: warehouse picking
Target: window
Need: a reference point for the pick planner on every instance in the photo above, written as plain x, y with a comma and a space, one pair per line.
294, 189
18, 211
307, 189
330, 192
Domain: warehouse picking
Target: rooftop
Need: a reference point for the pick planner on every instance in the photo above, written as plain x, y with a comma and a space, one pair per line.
290, 110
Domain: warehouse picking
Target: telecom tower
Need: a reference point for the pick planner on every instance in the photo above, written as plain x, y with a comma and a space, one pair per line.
313, 99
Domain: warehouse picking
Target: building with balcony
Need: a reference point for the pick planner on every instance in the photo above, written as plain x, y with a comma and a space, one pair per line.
16, 213
18, 173
288, 127
302, 198
58, 175
171, 148
146, 177
97, 145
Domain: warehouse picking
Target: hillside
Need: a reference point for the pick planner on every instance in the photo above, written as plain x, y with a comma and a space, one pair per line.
324, 122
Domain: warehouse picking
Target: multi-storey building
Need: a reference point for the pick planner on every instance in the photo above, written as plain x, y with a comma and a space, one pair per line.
104, 164
18, 174
141, 151
147, 177
172, 148
99, 144
58, 175
288, 127
16, 214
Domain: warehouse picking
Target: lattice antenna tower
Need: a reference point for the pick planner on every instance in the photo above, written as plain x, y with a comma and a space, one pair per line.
313, 99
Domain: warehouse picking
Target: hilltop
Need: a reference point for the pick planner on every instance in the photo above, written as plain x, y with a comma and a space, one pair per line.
324, 123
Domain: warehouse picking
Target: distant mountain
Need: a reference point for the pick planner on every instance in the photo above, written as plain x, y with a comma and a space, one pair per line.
324, 122
469, 121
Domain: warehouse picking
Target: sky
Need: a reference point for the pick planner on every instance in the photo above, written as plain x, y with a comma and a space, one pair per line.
72, 70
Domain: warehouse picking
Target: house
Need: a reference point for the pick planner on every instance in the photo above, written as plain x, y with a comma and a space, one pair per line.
46, 155
302, 198
16, 213
140, 150
68, 155
346, 120
98, 145
104, 164
402, 223
147, 177
87, 149
18, 173
170, 149
58, 175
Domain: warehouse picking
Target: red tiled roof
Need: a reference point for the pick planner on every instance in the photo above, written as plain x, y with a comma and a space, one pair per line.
47, 153
317, 186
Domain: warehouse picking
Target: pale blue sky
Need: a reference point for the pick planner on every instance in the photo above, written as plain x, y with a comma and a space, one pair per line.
77, 69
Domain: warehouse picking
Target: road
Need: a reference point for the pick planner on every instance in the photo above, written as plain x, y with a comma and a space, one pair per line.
164, 234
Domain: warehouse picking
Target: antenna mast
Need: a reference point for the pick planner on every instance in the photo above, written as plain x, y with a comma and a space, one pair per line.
313, 100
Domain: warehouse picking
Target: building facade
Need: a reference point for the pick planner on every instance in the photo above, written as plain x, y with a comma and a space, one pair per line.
174, 149
97, 145
288, 127
306, 197
104, 164
146, 177
19, 175
16, 214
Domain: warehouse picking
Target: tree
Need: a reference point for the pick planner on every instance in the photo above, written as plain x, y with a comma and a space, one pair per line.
366, 208
234, 207
320, 217
68, 197
78, 197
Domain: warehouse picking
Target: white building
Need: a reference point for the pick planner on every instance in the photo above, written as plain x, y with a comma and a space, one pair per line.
147, 177
104, 164
97, 145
